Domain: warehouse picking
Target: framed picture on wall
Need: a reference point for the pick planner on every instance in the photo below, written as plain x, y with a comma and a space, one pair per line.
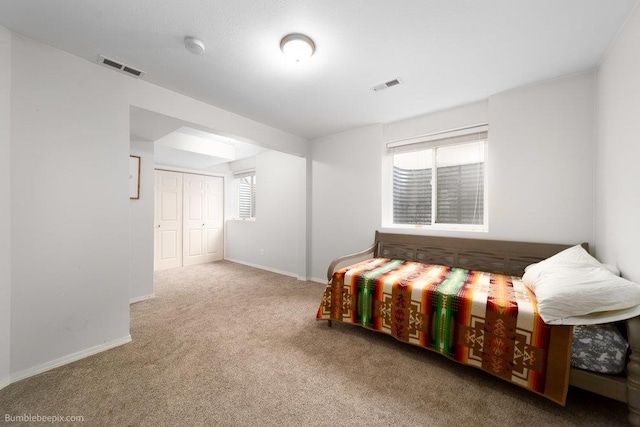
134, 177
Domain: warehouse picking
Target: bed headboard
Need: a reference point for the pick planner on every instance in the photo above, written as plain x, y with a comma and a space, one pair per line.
496, 256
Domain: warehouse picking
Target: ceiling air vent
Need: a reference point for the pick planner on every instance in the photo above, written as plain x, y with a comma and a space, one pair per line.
385, 85
107, 62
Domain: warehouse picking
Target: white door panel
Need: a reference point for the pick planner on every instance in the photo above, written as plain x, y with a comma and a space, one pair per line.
193, 219
168, 221
169, 207
195, 243
168, 245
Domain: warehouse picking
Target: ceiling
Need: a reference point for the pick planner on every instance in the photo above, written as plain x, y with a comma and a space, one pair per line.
186, 145
446, 53
193, 149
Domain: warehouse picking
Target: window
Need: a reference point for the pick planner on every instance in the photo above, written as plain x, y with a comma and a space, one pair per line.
440, 182
246, 194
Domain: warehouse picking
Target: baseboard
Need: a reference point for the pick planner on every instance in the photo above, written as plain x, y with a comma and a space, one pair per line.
273, 270
68, 359
262, 267
4, 382
142, 298
315, 279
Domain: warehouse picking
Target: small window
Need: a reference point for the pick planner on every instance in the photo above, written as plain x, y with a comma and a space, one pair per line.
440, 182
247, 195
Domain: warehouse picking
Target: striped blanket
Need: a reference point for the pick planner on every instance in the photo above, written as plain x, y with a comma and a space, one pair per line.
484, 320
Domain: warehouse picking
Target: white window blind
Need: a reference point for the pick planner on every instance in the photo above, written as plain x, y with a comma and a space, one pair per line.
439, 139
412, 191
246, 193
460, 184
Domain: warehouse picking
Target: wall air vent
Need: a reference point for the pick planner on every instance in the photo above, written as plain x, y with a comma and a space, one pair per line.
385, 85
107, 62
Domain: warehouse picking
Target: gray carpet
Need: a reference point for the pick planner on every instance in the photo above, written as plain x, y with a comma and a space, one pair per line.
226, 344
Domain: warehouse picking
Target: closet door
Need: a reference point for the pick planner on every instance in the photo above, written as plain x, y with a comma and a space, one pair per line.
168, 220
194, 228
214, 224
203, 219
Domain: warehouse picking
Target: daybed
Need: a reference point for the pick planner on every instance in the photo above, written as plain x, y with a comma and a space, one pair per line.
503, 259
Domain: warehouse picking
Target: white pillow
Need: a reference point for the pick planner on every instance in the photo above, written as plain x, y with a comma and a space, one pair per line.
599, 317
573, 288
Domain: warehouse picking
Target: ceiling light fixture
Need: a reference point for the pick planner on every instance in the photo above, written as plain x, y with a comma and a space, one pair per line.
194, 45
297, 47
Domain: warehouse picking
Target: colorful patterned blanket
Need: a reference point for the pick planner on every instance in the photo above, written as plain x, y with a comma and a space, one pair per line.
484, 320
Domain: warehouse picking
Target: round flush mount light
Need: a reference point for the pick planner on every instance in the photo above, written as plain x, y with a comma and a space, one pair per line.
194, 45
297, 47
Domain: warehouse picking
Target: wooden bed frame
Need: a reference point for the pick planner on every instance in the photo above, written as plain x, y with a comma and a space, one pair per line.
511, 258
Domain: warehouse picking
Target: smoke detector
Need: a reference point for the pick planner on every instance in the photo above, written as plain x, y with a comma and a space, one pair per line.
194, 45
386, 85
120, 66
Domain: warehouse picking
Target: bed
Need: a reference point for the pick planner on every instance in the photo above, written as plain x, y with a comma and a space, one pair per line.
498, 261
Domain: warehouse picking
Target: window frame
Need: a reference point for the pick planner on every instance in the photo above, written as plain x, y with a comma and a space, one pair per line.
441, 140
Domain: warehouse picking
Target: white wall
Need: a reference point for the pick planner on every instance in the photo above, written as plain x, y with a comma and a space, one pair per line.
279, 227
541, 141
141, 231
345, 200
69, 207
5, 196
540, 169
617, 212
